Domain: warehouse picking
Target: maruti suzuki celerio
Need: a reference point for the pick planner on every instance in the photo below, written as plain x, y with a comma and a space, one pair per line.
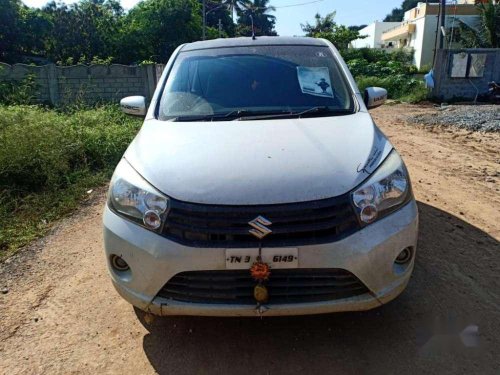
259, 185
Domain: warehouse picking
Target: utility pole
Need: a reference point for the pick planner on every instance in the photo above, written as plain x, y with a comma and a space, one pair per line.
442, 21
220, 28
204, 19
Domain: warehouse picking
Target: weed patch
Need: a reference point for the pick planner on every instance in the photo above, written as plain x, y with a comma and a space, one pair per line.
49, 159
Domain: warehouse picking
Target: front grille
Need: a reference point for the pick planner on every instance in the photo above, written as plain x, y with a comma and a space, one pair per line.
293, 224
284, 286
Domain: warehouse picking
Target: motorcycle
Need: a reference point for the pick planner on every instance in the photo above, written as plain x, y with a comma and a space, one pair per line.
493, 94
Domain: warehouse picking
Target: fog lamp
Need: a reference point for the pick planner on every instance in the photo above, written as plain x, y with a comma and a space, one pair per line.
404, 256
119, 263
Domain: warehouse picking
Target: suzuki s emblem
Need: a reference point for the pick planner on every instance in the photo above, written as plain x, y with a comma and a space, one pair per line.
260, 227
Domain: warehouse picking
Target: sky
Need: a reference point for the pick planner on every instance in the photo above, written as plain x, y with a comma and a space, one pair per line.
354, 12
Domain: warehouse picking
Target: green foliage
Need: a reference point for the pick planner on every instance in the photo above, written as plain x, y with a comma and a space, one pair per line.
486, 32
393, 71
372, 55
21, 30
221, 10
399, 86
321, 24
99, 31
83, 31
327, 28
154, 28
378, 63
263, 22
235, 6
146, 62
48, 159
18, 92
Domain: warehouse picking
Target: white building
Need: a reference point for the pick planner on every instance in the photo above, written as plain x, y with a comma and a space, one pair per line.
419, 29
374, 35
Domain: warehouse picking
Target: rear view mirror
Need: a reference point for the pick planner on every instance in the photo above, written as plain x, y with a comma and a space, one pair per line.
375, 97
134, 105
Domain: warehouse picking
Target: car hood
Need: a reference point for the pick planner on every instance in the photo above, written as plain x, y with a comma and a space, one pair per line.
258, 162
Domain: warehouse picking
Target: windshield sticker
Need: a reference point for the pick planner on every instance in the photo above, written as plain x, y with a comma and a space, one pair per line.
315, 81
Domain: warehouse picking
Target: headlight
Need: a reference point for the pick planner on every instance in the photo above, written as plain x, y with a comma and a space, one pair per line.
133, 197
386, 190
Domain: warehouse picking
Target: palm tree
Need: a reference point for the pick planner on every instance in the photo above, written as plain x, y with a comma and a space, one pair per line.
261, 7
235, 6
490, 22
262, 20
322, 24
486, 32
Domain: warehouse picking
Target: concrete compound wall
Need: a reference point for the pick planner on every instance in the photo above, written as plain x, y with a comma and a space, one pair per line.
59, 85
464, 88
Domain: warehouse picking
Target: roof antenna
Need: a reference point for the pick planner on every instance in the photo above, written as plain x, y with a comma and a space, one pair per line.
253, 29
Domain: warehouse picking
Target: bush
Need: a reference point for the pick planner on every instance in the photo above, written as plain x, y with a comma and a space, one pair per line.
393, 71
399, 86
48, 159
361, 67
372, 55
18, 92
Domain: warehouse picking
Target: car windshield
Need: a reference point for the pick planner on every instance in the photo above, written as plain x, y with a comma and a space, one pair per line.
255, 82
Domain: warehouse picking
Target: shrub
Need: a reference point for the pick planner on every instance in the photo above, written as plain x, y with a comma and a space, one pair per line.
42, 148
372, 55
49, 158
399, 86
18, 92
393, 71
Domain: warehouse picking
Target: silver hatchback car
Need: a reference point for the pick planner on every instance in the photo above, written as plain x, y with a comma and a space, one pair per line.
259, 185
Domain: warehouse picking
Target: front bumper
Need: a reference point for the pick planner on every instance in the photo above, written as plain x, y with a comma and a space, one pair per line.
369, 254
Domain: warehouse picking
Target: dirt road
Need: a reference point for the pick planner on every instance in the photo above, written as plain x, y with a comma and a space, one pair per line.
62, 316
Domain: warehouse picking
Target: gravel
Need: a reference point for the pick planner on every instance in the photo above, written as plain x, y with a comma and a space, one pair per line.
483, 118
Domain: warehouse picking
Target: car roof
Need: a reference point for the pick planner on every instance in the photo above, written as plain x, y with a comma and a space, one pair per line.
248, 41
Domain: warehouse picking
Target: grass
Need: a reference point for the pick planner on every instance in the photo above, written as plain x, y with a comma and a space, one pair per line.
49, 159
399, 87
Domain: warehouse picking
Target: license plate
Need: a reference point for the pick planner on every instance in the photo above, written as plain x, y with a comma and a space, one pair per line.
237, 259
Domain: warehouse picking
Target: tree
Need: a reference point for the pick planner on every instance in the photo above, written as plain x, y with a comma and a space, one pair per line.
484, 33
218, 11
99, 30
84, 31
236, 6
322, 24
9, 28
34, 32
154, 28
357, 27
263, 21
327, 28
22, 31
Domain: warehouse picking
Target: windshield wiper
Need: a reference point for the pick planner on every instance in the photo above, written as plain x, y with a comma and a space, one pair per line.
247, 115
236, 114
314, 110
321, 111
213, 117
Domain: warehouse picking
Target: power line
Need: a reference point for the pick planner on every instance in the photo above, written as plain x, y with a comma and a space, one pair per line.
290, 5
300, 4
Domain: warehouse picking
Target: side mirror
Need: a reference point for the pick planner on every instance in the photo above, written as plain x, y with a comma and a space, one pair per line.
375, 97
134, 105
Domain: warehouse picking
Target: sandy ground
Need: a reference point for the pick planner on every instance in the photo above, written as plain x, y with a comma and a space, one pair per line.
62, 316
